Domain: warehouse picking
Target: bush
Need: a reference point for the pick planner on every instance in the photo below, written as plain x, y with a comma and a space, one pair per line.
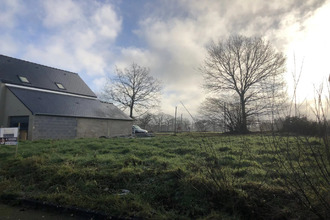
302, 126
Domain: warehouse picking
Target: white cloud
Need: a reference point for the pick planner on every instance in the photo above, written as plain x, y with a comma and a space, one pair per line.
9, 9
94, 63
142, 57
54, 56
79, 36
8, 45
191, 96
59, 13
107, 22
99, 84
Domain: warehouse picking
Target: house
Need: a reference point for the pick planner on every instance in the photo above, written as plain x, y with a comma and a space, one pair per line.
49, 103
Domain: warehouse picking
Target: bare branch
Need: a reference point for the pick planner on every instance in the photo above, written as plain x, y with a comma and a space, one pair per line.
133, 88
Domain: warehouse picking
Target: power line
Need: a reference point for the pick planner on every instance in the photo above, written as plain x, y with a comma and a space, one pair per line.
188, 111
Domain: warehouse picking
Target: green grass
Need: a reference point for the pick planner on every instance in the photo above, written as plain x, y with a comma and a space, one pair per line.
188, 176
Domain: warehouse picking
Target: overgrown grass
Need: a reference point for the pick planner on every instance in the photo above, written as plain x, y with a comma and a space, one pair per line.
199, 176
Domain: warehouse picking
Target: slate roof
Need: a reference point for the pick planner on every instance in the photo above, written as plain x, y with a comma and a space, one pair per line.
41, 77
45, 103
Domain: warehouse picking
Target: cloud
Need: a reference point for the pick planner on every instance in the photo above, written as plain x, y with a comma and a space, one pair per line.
107, 22
78, 36
8, 45
59, 13
176, 33
9, 9
310, 48
142, 57
169, 37
99, 84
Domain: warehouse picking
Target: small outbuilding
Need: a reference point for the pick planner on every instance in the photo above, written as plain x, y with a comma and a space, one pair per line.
49, 103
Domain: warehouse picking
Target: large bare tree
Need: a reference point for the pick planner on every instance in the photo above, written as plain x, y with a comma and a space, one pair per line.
133, 88
248, 68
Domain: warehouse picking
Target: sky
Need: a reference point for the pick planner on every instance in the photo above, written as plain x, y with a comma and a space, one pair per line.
93, 37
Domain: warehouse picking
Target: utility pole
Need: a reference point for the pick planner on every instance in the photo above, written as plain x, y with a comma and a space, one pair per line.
176, 109
181, 127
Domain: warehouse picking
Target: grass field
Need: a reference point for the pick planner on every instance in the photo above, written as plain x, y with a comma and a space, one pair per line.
188, 176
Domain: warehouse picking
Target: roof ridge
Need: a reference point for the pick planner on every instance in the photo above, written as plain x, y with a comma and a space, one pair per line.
38, 64
106, 102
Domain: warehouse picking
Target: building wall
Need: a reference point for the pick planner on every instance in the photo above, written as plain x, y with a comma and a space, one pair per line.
91, 128
2, 104
101, 127
119, 128
54, 127
12, 107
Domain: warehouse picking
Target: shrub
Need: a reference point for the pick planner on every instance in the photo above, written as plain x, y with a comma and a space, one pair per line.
302, 126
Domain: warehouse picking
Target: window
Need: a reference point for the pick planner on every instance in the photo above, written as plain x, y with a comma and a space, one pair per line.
23, 79
59, 85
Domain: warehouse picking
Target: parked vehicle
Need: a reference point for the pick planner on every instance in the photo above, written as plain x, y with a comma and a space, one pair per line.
137, 130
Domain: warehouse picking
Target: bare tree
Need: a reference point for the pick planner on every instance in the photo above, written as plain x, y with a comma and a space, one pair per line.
169, 122
158, 120
213, 109
144, 121
244, 67
162, 122
133, 88
201, 125
224, 113
186, 124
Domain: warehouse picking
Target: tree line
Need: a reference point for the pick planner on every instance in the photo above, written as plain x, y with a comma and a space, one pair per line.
243, 80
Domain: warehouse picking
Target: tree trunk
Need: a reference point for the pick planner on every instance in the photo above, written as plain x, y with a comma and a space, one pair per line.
243, 126
131, 111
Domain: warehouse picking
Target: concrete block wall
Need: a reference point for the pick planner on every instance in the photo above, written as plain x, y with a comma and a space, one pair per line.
53, 127
91, 128
94, 128
119, 128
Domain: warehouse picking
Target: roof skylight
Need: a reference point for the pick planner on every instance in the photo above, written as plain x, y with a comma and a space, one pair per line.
23, 79
60, 86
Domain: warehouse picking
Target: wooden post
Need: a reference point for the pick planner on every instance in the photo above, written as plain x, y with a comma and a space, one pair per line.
19, 127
